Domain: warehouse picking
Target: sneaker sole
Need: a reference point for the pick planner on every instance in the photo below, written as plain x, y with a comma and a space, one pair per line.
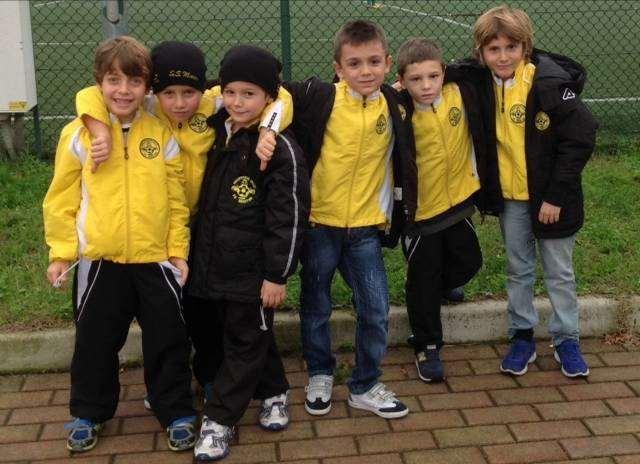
317, 412
566, 374
274, 427
147, 405
205, 458
533, 357
175, 448
425, 379
384, 415
81, 450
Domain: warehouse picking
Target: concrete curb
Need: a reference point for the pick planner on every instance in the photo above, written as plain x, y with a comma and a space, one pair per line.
481, 321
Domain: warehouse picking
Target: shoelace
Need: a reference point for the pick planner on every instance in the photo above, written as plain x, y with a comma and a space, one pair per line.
318, 386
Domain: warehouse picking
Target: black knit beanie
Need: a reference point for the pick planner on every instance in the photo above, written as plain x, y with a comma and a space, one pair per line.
251, 64
177, 63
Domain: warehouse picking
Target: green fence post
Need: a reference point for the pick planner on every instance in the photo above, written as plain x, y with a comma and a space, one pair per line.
285, 35
114, 21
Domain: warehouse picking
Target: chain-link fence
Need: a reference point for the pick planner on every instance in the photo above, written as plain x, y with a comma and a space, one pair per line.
602, 35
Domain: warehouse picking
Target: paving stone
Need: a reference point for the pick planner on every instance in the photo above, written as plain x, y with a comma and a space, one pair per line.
298, 413
132, 376
60, 397
397, 441
396, 372
500, 415
428, 421
4, 414
601, 446
546, 379
551, 430
47, 381
415, 387
448, 456
81, 460
596, 345
467, 352
585, 461
29, 399
572, 409
626, 358
478, 435
156, 457
318, 448
143, 424
132, 408
526, 395
455, 368
481, 382
524, 452
39, 415
454, 401
351, 426
624, 405
11, 383
608, 374
33, 450
19, 433
614, 425
397, 356
631, 459
596, 391
368, 459
549, 363
295, 431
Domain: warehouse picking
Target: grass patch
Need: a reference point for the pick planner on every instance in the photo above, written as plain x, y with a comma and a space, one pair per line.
607, 256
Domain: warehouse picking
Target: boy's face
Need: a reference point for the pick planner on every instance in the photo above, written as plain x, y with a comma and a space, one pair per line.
123, 94
179, 102
244, 102
423, 81
502, 56
363, 66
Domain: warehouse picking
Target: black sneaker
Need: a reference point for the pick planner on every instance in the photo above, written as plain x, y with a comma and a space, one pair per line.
430, 368
454, 295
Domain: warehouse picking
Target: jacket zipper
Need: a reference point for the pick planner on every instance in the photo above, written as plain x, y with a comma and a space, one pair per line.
355, 168
125, 136
446, 159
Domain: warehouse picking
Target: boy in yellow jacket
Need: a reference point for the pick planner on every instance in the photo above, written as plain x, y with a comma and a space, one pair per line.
126, 226
442, 248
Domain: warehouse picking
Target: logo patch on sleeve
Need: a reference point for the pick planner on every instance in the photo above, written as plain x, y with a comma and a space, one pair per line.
243, 190
198, 123
381, 124
517, 113
149, 148
454, 116
568, 94
403, 112
542, 121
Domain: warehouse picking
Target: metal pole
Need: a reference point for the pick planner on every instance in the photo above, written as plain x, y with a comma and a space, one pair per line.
114, 21
38, 131
285, 34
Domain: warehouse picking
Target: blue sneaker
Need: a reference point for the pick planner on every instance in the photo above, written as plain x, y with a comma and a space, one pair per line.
520, 355
430, 368
570, 358
181, 433
83, 434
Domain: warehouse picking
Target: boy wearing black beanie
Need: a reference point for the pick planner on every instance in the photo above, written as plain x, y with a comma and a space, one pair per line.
245, 245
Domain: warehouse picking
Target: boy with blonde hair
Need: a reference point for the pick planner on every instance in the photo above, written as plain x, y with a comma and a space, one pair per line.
126, 225
542, 135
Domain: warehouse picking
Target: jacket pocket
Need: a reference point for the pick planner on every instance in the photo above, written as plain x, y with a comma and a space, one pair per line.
237, 251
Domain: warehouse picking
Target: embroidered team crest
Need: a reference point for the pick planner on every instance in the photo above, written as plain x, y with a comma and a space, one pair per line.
243, 190
381, 124
517, 113
568, 94
542, 121
149, 148
403, 112
198, 123
454, 116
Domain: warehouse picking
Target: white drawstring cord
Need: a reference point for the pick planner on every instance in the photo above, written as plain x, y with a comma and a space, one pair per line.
263, 323
58, 281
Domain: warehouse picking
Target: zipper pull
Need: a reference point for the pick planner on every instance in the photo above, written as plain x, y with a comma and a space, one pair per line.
433, 108
126, 153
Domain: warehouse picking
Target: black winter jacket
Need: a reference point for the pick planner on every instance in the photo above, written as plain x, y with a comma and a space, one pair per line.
559, 138
313, 102
249, 223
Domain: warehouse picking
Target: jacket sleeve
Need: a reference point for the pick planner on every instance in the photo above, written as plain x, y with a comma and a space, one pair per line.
575, 135
178, 240
62, 201
89, 102
287, 210
278, 115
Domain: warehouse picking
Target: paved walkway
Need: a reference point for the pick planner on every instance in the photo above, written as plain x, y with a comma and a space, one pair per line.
477, 416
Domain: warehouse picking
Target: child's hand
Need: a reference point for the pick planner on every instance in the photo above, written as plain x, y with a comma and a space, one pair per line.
272, 294
100, 150
182, 265
265, 147
397, 86
549, 214
56, 273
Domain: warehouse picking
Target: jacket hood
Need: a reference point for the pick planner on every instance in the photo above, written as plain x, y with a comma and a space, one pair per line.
554, 66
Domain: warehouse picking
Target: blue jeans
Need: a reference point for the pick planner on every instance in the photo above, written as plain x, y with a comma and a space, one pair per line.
357, 254
557, 266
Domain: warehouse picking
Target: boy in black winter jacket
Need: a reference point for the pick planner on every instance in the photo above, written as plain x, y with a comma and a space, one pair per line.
543, 136
246, 241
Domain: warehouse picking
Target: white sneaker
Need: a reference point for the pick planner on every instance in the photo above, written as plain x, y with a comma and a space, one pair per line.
318, 401
147, 403
379, 401
214, 441
275, 412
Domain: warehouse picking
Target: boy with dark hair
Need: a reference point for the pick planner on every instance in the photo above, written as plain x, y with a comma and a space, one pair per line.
442, 248
246, 240
127, 226
354, 134
542, 135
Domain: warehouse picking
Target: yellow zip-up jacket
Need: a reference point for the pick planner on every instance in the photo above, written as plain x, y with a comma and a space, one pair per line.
131, 210
194, 136
447, 173
352, 182
511, 101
